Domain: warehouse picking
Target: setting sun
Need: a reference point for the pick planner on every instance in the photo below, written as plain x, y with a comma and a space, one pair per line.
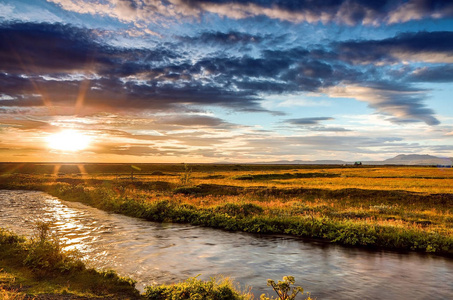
68, 140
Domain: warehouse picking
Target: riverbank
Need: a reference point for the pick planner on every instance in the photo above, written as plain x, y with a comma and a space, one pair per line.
395, 211
39, 269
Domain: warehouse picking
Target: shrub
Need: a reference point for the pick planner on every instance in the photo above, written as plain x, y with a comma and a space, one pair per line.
9, 238
196, 289
186, 176
45, 255
284, 289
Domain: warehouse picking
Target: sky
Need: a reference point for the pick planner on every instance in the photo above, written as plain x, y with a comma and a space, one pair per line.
201, 81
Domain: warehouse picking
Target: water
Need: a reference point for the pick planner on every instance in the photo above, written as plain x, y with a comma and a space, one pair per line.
155, 253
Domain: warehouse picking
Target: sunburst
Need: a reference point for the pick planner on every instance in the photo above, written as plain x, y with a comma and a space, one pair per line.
68, 140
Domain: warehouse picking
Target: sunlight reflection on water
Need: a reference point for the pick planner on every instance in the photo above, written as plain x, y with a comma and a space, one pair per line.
154, 253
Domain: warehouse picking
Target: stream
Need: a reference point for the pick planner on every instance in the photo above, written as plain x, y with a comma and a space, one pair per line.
162, 253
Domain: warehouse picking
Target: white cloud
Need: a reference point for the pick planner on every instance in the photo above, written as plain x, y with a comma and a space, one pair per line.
26, 12
6, 10
414, 10
275, 102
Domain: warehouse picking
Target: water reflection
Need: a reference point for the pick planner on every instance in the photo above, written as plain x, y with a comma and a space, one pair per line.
165, 253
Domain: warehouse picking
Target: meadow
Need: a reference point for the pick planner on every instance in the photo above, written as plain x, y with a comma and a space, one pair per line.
382, 207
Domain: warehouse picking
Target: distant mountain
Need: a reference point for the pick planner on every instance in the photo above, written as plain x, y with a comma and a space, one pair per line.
402, 159
302, 162
417, 159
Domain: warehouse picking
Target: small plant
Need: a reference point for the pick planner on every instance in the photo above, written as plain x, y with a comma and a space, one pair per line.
284, 289
186, 177
11, 294
45, 254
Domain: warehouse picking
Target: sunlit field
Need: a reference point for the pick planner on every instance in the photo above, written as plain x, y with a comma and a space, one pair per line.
403, 208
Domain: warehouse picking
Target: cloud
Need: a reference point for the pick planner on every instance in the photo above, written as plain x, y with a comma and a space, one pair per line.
123, 78
305, 145
194, 121
420, 9
127, 11
348, 12
442, 73
430, 47
403, 105
101, 77
225, 38
329, 129
308, 121
312, 124
157, 78
36, 48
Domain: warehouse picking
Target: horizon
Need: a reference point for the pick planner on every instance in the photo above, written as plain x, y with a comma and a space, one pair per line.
205, 81
276, 162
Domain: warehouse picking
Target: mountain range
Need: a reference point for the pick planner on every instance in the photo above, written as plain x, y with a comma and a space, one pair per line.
402, 159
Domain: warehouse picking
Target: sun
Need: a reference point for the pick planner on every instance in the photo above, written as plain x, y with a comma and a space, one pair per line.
68, 140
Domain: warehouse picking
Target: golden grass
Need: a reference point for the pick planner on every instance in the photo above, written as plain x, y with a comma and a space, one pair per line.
400, 197
7, 289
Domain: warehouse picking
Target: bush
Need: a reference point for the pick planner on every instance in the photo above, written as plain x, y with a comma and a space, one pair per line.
284, 289
196, 289
9, 238
45, 255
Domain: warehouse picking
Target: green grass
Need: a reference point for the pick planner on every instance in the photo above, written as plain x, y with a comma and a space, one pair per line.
194, 289
39, 267
354, 206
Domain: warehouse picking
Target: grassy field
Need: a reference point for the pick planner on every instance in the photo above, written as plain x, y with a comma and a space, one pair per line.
392, 207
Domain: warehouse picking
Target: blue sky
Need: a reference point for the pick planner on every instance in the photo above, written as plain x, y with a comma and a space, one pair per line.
220, 80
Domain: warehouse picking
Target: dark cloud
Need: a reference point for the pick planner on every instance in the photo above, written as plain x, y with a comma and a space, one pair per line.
308, 121
350, 12
228, 38
53, 64
419, 46
341, 11
194, 121
442, 73
329, 129
311, 124
125, 78
29, 47
402, 102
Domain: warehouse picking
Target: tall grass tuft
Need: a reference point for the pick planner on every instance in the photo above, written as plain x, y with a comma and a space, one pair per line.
7, 292
46, 256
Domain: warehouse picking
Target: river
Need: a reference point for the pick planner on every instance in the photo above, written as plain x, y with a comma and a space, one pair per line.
157, 253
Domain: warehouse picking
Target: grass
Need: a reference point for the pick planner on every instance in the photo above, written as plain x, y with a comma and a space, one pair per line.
40, 269
400, 208
194, 288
